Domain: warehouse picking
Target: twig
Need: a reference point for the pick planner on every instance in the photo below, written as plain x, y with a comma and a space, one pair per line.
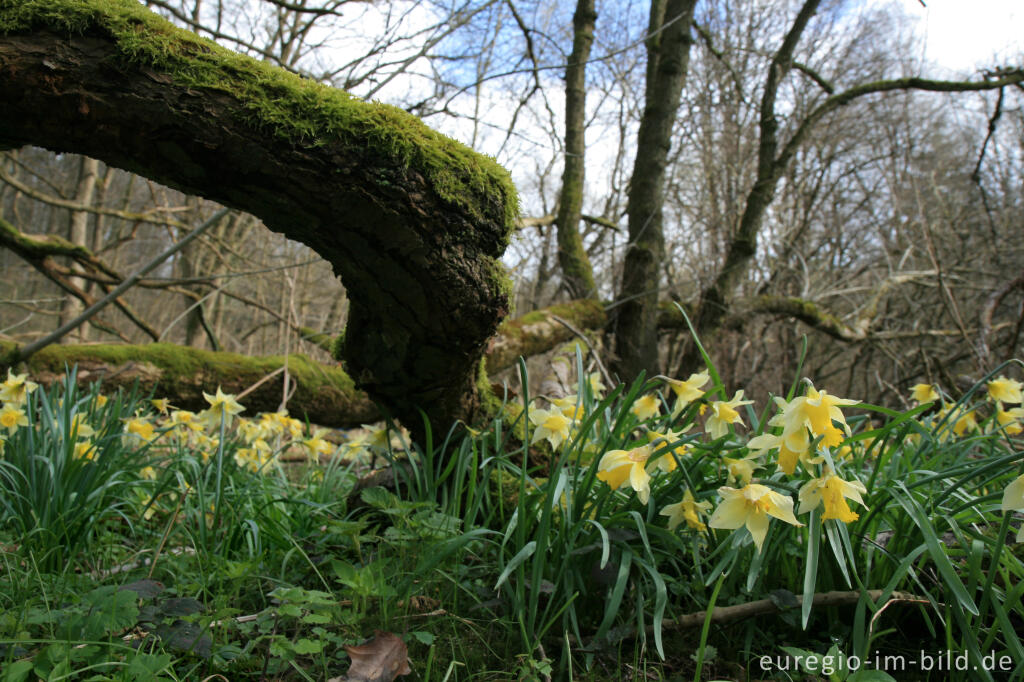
27, 351
593, 352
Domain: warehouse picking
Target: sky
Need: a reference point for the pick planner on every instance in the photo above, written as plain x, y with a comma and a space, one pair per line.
964, 34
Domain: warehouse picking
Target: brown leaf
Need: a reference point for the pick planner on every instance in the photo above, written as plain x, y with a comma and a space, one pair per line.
382, 659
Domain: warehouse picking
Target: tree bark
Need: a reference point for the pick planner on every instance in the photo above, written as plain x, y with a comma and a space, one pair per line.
78, 235
413, 222
577, 272
668, 54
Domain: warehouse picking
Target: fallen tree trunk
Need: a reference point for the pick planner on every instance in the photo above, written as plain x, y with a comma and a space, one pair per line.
414, 223
324, 394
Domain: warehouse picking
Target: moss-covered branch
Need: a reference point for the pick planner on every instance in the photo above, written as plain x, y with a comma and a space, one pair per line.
413, 222
540, 331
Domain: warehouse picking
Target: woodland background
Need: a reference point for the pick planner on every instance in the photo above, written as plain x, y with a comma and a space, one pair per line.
893, 240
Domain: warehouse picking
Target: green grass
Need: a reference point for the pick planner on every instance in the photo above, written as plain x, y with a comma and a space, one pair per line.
185, 553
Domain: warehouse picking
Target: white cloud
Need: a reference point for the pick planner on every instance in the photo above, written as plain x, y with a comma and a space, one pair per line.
963, 35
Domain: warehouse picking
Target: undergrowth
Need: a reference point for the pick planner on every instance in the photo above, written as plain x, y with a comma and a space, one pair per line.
673, 531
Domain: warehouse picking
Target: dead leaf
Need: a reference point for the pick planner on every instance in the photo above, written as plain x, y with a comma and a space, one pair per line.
382, 659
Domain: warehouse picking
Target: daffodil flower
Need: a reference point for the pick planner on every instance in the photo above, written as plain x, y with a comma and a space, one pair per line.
85, 450
79, 428
924, 393
666, 461
689, 390
12, 417
317, 445
1010, 420
550, 424
1005, 390
141, 428
688, 510
646, 407
741, 470
833, 492
723, 414
161, 405
222, 407
967, 421
1013, 500
569, 406
751, 506
16, 389
793, 447
618, 466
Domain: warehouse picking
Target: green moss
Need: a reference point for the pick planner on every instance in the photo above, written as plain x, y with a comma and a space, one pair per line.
186, 364
489, 402
281, 103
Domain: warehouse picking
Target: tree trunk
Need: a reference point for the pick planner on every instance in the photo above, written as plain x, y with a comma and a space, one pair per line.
668, 54
577, 272
78, 235
324, 395
414, 223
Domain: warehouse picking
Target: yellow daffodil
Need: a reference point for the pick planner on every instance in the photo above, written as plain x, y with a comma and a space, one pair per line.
751, 506
317, 445
741, 470
689, 510
819, 412
570, 406
793, 447
723, 414
85, 450
222, 406
147, 473
646, 407
550, 424
689, 390
188, 421
597, 386
924, 393
618, 466
1010, 420
207, 446
1005, 390
149, 505
161, 405
140, 427
967, 421
16, 389
1013, 500
101, 400
666, 461
80, 429
833, 492
12, 417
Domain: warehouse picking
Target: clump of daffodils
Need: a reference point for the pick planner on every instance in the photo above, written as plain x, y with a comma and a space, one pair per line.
813, 417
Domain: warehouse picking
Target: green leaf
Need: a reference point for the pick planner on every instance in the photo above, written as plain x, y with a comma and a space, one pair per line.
811, 565
308, 646
18, 671
942, 563
522, 555
423, 637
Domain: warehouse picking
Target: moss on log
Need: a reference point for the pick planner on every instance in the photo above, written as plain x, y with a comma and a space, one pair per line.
413, 222
323, 395
540, 331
